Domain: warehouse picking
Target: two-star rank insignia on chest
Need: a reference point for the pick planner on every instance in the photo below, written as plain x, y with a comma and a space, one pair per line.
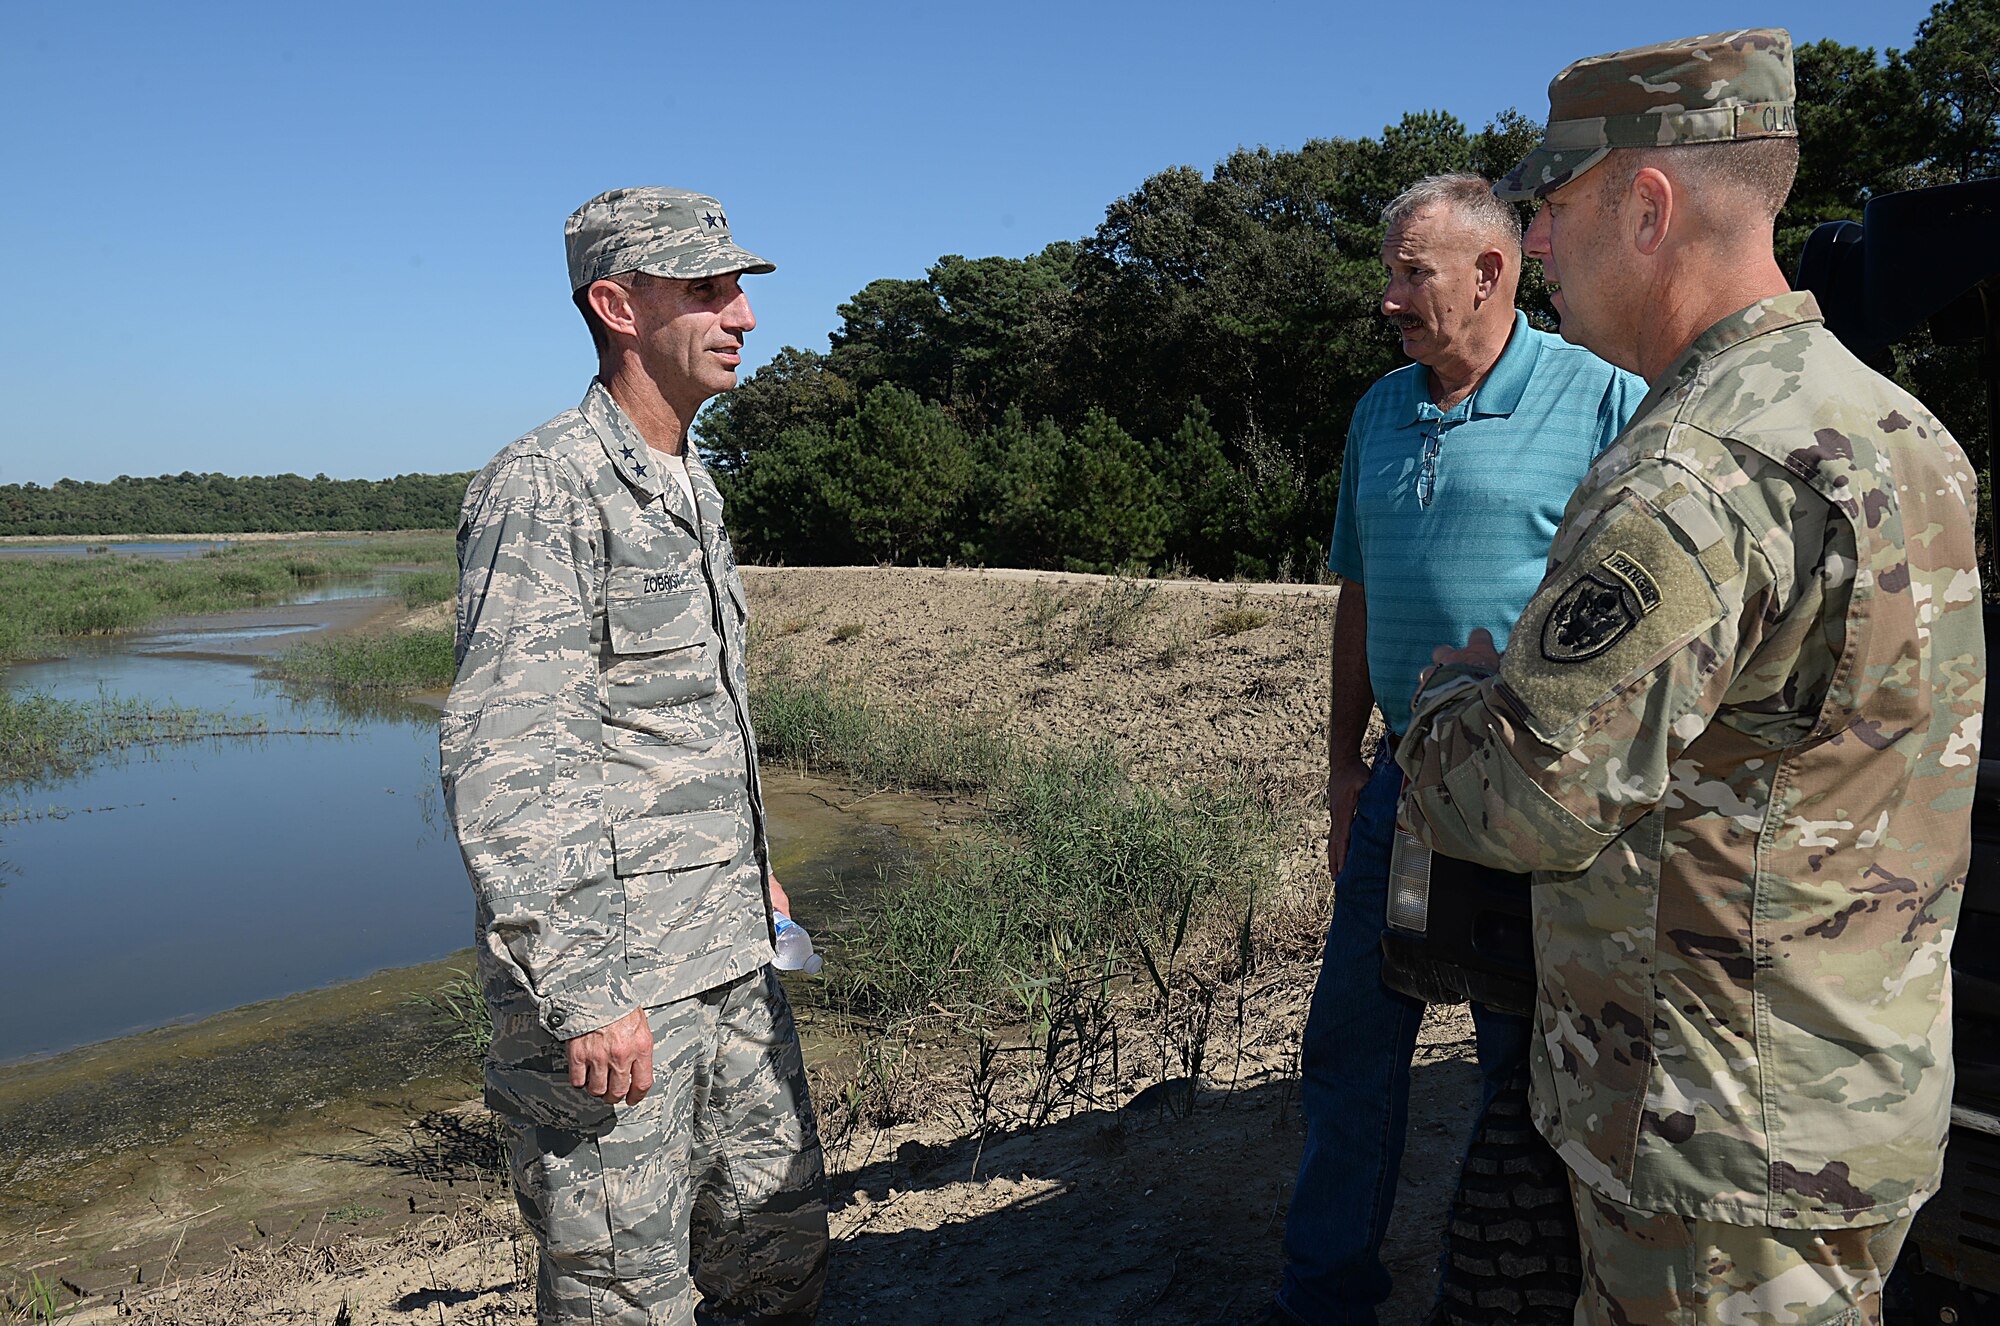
1599, 610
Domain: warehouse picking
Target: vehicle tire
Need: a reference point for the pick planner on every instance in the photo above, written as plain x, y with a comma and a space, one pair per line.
1511, 1256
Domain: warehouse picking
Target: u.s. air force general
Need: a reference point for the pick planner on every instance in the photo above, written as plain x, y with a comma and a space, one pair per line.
1734, 734
601, 772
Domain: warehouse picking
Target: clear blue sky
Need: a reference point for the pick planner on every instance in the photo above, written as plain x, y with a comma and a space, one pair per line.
259, 238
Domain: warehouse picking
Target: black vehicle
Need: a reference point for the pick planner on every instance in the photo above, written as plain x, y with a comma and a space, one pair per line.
1924, 258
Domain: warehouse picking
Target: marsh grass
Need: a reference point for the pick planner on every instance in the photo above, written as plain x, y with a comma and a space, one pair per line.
817, 724
43, 738
412, 660
1075, 866
423, 588
53, 599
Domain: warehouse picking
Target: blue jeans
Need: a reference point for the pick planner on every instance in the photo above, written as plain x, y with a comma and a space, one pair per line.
1359, 1039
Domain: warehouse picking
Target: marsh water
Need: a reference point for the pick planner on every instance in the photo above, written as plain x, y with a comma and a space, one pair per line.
179, 881
133, 548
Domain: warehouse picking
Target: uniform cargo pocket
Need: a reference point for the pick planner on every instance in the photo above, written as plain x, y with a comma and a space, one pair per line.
677, 842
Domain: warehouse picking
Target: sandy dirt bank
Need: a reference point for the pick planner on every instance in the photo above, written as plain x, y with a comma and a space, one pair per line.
1125, 1213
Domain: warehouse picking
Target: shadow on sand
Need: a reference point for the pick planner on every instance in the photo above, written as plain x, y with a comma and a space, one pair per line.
1124, 1216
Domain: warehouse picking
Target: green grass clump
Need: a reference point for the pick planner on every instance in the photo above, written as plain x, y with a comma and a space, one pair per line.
461, 1007
1235, 621
353, 1213
36, 1301
1068, 635
397, 661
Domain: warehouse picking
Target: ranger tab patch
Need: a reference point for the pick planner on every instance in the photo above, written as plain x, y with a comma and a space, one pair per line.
1637, 579
1599, 610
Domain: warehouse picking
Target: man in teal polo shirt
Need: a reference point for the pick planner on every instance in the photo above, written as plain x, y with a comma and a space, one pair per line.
1457, 470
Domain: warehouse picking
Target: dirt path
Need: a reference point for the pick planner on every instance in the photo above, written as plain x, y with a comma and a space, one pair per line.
1126, 1214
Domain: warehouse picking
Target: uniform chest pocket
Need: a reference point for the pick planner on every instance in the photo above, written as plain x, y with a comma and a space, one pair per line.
653, 611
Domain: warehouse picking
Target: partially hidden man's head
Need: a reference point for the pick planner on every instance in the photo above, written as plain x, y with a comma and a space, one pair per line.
1653, 154
1451, 253
657, 276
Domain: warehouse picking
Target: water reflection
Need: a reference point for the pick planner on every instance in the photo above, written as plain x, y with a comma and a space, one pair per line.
206, 876
168, 642
336, 591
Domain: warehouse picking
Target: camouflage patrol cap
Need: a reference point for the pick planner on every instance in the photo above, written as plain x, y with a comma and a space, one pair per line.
663, 232
1720, 88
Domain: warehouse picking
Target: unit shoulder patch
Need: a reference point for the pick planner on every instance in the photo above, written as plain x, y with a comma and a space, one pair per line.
1600, 609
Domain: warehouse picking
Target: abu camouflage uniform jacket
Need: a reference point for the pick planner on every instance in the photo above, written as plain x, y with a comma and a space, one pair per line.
1736, 735
598, 760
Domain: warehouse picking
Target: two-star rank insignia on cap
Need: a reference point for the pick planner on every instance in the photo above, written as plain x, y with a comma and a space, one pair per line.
709, 217
1599, 610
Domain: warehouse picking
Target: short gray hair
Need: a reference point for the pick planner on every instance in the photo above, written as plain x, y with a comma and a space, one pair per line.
1758, 171
1466, 195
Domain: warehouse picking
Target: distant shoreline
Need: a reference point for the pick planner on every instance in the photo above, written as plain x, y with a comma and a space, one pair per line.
254, 536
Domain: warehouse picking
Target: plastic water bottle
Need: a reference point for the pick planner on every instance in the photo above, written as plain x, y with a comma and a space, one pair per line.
795, 948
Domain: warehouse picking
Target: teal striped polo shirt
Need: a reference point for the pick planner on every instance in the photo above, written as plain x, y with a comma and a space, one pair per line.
1445, 517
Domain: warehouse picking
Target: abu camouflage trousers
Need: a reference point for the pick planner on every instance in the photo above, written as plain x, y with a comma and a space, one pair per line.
705, 1202
1655, 1268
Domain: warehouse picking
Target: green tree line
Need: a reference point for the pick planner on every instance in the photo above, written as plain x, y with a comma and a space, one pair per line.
217, 504
1175, 387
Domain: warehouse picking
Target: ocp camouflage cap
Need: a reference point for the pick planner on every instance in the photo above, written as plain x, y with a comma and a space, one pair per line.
663, 232
1720, 88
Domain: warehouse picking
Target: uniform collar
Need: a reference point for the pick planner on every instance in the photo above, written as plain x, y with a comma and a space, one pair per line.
1498, 393
1790, 309
623, 443
646, 472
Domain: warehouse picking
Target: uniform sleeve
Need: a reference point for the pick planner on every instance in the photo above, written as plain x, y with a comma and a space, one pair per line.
1344, 556
521, 748
1618, 663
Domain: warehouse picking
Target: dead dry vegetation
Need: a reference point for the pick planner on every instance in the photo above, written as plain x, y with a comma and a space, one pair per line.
1121, 1150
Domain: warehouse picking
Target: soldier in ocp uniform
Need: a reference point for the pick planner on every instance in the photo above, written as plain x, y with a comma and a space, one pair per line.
1735, 733
601, 773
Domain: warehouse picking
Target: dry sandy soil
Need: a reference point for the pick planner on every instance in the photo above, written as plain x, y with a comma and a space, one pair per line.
1128, 1212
